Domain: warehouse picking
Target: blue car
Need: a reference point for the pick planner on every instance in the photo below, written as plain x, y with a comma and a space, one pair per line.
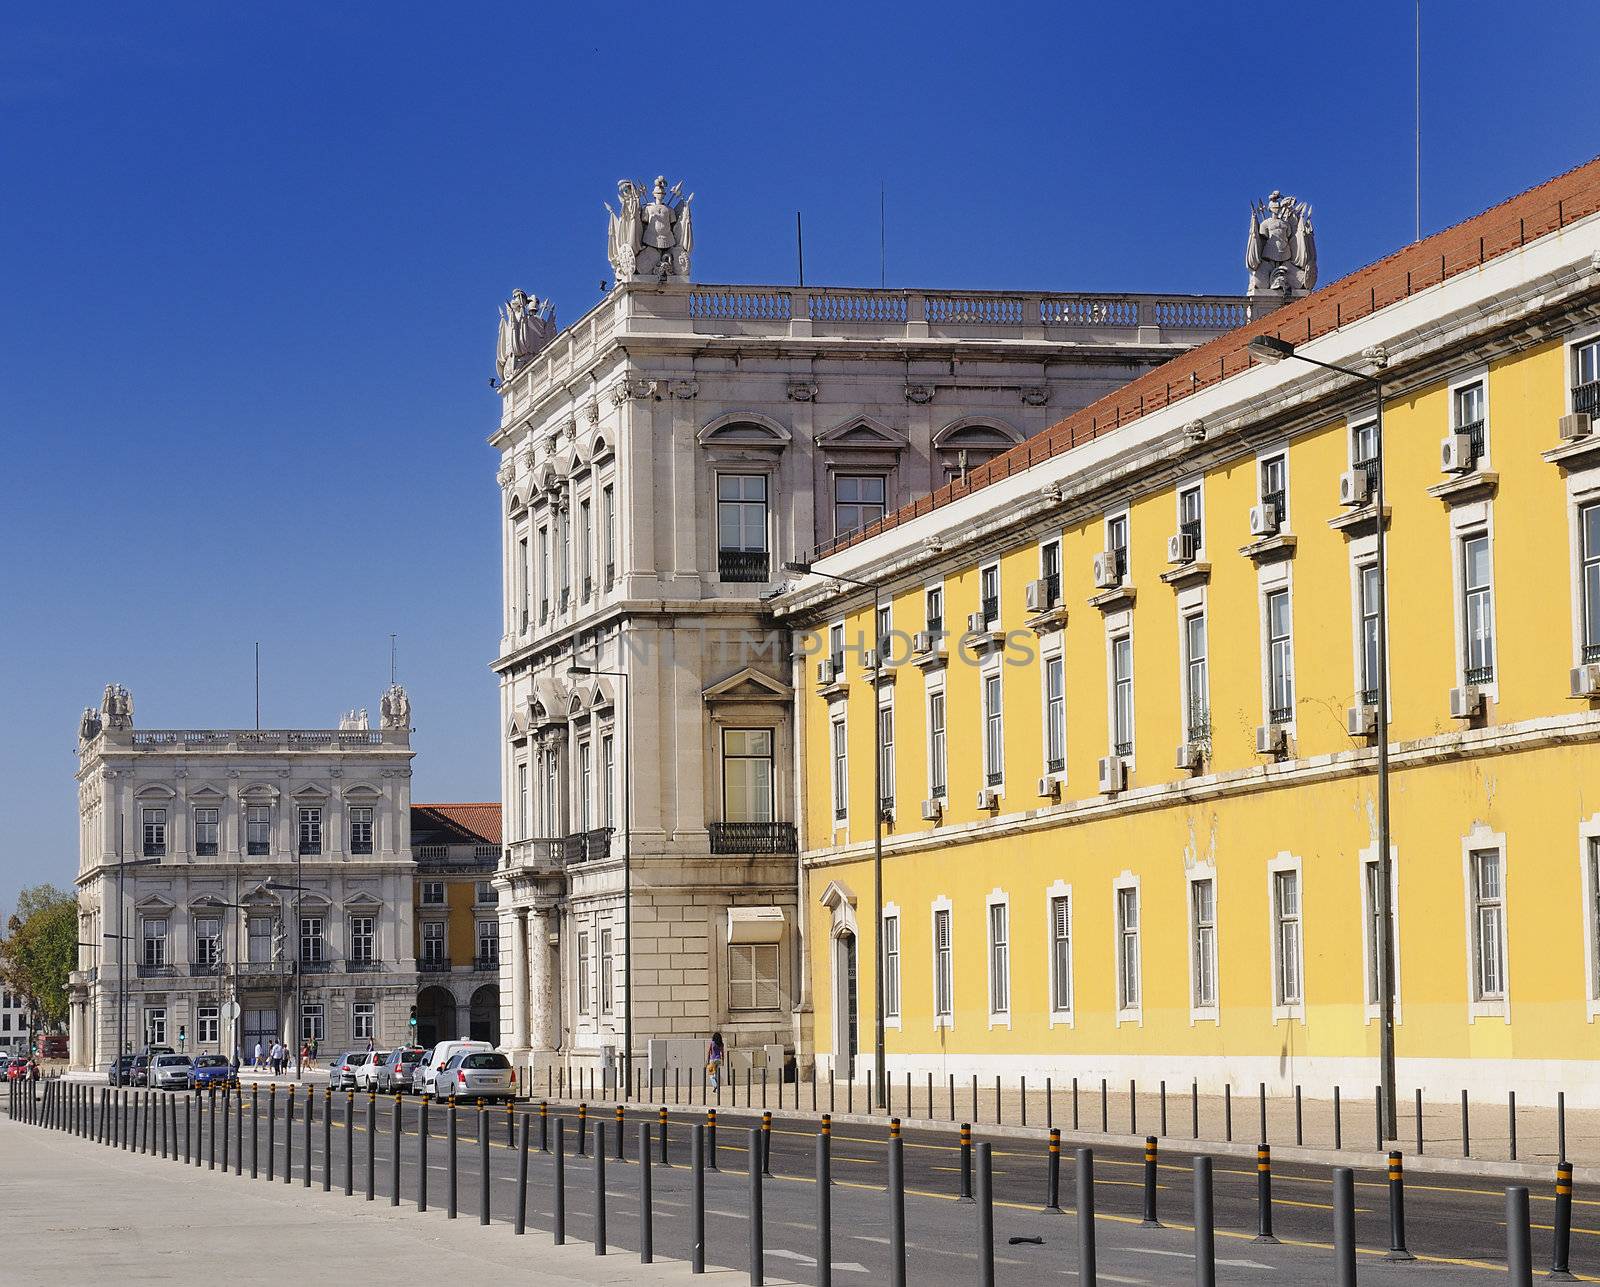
210, 1070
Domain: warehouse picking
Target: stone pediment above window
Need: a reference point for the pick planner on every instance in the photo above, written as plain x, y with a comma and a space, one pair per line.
837, 895
310, 792
154, 905
259, 793
152, 792
747, 429
362, 792
361, 901
965, 444
517, 499
747, 685
601, 448
518, 727
206, 794
600, 696
863, 433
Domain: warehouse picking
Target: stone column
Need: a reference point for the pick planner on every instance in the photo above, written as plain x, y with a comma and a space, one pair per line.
543, 994
519, 979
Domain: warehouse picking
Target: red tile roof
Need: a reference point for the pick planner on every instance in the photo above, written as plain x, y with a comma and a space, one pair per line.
475, 822
1497, 231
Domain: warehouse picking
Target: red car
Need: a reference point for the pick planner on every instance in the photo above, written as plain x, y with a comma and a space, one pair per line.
53, 1046
22, 1069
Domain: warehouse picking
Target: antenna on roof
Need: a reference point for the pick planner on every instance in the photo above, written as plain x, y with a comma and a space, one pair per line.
883, 234
800, 246
391, 660
258, 684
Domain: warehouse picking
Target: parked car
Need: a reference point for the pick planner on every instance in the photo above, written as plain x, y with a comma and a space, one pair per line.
169, 1072
139, 1073
120, 1071
342, 1071
441, 1055
53, 1046
209, 1070
393, 1075
366, 1077
418, 1086
475, 1074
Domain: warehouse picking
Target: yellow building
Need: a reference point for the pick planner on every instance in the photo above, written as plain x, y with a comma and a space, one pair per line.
457, 920
1128, 784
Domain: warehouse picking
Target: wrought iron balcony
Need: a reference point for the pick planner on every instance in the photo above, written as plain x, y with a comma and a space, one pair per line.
993, 778
1591, 653
1474, 431
487, 964
1369, 696
200, 969
755, 837
319, 966
1052, 589
1479, 674
1280, 714
743, 565
1191, 529
1278, 502
990, 607
585, 845
162, 971
362, 965
1123, 749
1370, 469
433, 965
1055, 764
1586, 397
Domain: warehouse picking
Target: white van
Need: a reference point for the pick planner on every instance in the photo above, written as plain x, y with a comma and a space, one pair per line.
441, 1054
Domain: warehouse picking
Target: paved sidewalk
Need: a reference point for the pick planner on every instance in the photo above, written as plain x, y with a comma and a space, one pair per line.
79, 1214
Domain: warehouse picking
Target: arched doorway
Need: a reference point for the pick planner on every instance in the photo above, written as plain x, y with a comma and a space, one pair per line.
436, 1016
485, 1015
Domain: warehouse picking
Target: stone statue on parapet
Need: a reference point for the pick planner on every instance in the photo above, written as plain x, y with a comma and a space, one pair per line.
116, 707
527, 324
650, 241
89, 725
354, 721
394, 711
1281, 253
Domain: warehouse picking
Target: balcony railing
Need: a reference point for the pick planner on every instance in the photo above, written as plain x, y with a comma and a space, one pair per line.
1120, 557
1370, 469
362, 965
743, 565
1191, 529
203, 970
1280, 714
1479, 674
1369, 696
990, 607
1586, 397
1591, 653
886, 806
322, 965
1122, 749
755, 837
1055, 764
1276, 500
433, 965
1052, 588
162, 971
155, 851
1474, 431
583, 846
487, 962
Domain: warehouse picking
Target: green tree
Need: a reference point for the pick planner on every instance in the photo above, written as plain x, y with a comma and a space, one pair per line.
40, 950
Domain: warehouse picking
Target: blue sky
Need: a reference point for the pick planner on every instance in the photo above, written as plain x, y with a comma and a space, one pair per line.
252, 261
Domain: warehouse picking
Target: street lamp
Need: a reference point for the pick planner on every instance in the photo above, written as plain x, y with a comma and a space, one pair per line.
803, 567
278, 886
1271, 349
577, 668
122, 936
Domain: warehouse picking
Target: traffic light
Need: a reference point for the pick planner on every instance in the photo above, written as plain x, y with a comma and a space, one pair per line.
413, 1016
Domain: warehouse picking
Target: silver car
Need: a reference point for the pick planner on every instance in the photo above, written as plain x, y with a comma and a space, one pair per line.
170, 1072
475, 1074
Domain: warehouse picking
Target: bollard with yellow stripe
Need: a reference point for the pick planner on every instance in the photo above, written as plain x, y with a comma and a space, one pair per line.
1397, 1209
1562, 1239
1151, 1160
1264, 1193
966, 1163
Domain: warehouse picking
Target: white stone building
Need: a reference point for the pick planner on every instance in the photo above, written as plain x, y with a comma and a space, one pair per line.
660, 460
202, 829
13, 1023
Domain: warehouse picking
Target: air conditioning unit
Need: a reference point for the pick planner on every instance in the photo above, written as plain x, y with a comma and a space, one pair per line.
1466, 701
1578, 425
932, 810
1036, 596
988, 798
827, 671
1455, 454
1106, 576
977, 623
1353, 487
1271, 739
1050, 787
1361, 720
1586, 680
1265, 519
1113, 774
1190, 756
924, 641
1180, 548
869, 659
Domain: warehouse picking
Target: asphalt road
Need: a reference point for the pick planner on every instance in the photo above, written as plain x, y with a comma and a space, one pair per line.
1454, 1225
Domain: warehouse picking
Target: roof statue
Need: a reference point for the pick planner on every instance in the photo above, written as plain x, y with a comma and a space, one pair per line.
394, 711
1282, 251
527, 324
116, 707
89, 726
650, 240
354, 721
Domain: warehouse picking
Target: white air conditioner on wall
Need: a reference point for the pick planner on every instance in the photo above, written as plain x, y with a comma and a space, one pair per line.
869, 659
1455, 454
1575, 427
1353, 487
1113, 774
932, 810
1265, 519
1466, 702
1271, 739
1106, 576
1586, 680
1036, 596
924, 642
1361, 720
1180, 548
988, 798
1190, 756
977, 623
827, 671
1049, 787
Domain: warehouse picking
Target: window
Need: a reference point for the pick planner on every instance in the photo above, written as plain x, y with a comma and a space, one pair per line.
1594, 910
310, 939
886, 759
258, 830
1191, 517
311, 831
753, 976
1128, 947
742, 527
1364, 452
209, 1021
361, 938
586, 545
836, 644
1589, 527
205, 832
364, 1020
882, 626
1050, 571
1468, 412
521, 585
485, 894
155, 941
1477, 610
563, 560
1055, 714
555, 824
155, 1025
891, 967
312, 1025
1488, 925
585, 784
433, 952
608, 516
993, 732
1586, 377
1275, 486
1117, 543
747, 775
583, 972
1369, 633
858, 499
1203, 927
1374, 934
488, 945
544, 574
155, 833
937, 782
607, 996
1286, 937
999, 958
1196, 691
361, 829
841, 779
1061, 952
524, 813
433, 893
943, 965
1280, 659
208, 940
260, 930
933, 608
1122, 695
989, 593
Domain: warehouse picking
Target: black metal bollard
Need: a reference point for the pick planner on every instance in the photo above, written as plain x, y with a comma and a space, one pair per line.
1150, 1220
697, 1202
1344, 1226
544, 1125
1227, 1111
327, 1139
1511, 1120
238, 1130
1519, 1249
966, 1162
560, 1217
483, 1167
758, 1252
255, 1131
227, 1105
394, 1150
766, 1143
1466, 1128
985, 1201
1205, 1229
897, 1207
423, 1130
1397, 1209
520, 1223
1264, 1193
1105, 1109
1377, 1118
662, 1129
1263, 1103
451, 1136
1052, 1173
582, 1132
1561, 1247
600, 1188
621, 1130
646, 1216
711, 1139
1086, 1255
511, 1122
1338, 1121
288, 1137
1194, 1107
372, 1143
824, 1213
1561, 1124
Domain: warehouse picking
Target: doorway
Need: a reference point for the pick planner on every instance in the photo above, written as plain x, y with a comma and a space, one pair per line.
846, 1010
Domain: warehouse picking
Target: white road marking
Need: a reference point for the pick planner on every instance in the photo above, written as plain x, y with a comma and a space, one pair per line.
1189, 1255
848, 1266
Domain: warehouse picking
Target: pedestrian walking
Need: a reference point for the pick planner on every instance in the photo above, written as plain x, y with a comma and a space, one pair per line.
313, 1063
257, 1062
714, 1056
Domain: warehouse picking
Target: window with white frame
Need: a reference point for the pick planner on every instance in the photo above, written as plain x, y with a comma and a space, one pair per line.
1369, 590
747, 775
836, 644
586, 545
1203, 947
207, 939
938, 781
1122, 695
1469, 413
485, 894
1589, 579
433, 942
311, 939
1050, 571
1286, 952
1191, 516
1280, 659
607, 973
260, 939
858, 499
585, 784
583, 967
883, 626
155, 1025
1196, 685
841, 771
1128, 947
544, 575
753, 976
608, 779
742, 527
310, 831
943, 965
886, 758
563, 560
206, 827
1061, 953
155, 832
1372, 933
1055, 714
989, 593
1364, 450
433, 893
488, 944
993, 731
1586, 376
520, 584
313, 1027
999, 958
1117, 543
361, 938
1274, 474
891, 966
1477, 610
1592, 864
208, 1022
608, 517
933, 609
361, 829
1486, 871
363, 1020
258, 830
155, 942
